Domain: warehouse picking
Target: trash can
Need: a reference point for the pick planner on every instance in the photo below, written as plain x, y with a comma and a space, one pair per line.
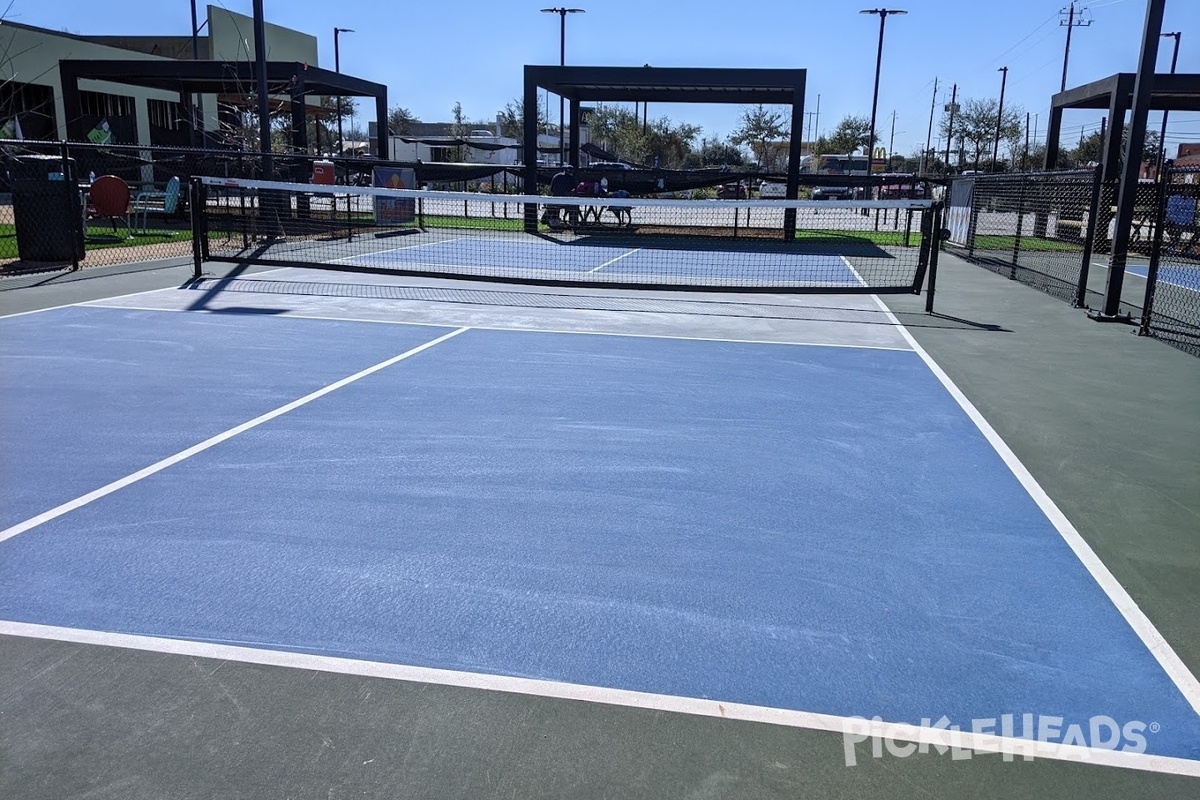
46, 209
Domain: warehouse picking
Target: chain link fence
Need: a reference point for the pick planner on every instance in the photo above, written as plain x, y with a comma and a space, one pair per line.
1032, 227
1054, 231
1172, 302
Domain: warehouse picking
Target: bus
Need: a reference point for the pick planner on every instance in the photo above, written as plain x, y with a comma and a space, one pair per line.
838, 164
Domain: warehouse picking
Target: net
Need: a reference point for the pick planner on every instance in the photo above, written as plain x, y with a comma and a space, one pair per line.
622, 242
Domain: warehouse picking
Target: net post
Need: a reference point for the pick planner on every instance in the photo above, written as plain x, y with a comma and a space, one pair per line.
1089, 238
199, 239
1160, 218
923, 253
935, 249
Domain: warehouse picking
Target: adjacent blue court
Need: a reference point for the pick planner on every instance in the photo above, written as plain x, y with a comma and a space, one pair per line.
575, 258
809, 528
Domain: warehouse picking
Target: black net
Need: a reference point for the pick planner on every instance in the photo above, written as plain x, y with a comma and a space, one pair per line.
608, 239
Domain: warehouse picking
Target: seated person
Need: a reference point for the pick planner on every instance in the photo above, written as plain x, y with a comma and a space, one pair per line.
560, 186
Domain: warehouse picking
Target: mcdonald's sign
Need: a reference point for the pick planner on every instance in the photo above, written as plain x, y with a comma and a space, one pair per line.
878, 157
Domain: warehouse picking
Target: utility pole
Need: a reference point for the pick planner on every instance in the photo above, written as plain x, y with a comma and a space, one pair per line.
891, 141
929, 134
1072, 21
999, 116
950, 128
817, 120
260, 86
1025, 155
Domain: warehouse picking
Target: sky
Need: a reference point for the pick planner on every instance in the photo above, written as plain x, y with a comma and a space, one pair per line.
432, 55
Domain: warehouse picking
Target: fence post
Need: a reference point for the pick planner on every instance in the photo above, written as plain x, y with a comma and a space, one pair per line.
1089, 238
1160, 222
1016, 256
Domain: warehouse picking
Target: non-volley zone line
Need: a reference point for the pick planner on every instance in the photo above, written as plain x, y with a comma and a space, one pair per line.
213, 441
932, 738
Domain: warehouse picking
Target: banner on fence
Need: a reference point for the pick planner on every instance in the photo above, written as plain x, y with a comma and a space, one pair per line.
958, 212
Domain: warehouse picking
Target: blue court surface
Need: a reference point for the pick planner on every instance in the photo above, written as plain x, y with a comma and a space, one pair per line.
752, 266
1186, 277
809, 528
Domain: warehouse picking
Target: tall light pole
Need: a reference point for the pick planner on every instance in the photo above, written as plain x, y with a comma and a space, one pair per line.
883, 15
1162, 136
999, 116
562, 62
337, 67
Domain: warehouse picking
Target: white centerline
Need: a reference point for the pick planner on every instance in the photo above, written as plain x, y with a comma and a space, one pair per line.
614, 260
695, 706
159, 466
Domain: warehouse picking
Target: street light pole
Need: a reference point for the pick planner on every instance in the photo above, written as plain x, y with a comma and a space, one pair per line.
337, 67
999, 116
883, 15
562, 62
1162, 136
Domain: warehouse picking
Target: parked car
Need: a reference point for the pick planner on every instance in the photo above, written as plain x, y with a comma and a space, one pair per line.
732, 191
770, 190
836, 192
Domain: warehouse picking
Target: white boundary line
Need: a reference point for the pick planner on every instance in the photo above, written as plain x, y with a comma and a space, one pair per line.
158, 466
615, 260
286, 315
1155, 642
983, 743
300, 264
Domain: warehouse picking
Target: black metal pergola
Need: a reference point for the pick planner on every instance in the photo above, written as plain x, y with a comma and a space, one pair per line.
663, 85
1178, 92
295, 80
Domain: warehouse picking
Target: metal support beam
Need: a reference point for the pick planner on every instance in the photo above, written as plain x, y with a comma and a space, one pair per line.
530, 150
1142, 89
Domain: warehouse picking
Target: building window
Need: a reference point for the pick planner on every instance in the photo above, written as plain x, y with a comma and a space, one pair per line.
30, 104
166, 114
99, 104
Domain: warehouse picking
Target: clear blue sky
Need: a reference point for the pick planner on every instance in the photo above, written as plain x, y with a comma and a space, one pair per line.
432, 54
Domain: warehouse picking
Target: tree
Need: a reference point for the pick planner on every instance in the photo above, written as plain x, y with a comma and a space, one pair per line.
715, 153
458, 129
512, 119
670, 143
400, 121
975, 127
758, 129
850, 134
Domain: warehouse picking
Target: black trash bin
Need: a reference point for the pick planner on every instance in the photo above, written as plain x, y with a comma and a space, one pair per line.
46, 209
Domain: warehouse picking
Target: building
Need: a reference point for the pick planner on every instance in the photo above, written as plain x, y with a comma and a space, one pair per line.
31, 96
